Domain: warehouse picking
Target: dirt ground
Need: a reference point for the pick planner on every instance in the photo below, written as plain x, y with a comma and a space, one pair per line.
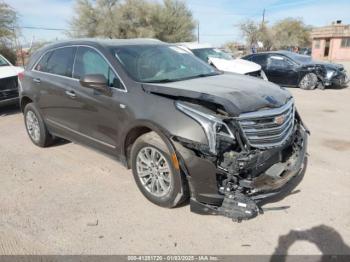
68, 199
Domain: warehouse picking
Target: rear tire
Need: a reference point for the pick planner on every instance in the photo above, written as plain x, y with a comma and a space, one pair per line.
154, 172
35, 127
308, 82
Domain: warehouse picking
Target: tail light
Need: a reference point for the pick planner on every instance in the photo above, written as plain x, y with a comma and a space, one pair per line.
21, 76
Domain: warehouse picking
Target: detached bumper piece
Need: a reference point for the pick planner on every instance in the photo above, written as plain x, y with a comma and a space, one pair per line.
238, 207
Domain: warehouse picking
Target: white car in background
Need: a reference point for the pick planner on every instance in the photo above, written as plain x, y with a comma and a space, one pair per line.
224, 61
8, 82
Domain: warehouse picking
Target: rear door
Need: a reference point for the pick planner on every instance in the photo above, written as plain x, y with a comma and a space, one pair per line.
52, 79
260, 59
281, 70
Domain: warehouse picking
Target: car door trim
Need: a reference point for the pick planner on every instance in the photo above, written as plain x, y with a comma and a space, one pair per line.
81, 134
71, 78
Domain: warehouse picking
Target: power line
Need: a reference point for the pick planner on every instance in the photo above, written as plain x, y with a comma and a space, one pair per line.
43, 28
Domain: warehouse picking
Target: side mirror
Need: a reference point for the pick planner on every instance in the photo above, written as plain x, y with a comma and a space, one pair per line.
95, 81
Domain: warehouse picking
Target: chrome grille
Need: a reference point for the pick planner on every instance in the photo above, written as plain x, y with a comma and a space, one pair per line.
265, 128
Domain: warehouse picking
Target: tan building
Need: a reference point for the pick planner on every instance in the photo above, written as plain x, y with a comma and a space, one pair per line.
331, 42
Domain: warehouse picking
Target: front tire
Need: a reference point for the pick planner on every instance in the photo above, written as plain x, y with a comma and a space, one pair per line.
308, 82
154, 172
35, 127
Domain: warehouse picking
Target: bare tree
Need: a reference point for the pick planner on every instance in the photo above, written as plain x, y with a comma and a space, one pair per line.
289, 32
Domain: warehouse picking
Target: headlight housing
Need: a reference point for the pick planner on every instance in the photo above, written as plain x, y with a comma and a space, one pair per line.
330, 74
263, 75
211, 124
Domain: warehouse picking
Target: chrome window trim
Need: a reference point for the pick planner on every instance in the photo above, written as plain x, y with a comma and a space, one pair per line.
71, 78
81, 134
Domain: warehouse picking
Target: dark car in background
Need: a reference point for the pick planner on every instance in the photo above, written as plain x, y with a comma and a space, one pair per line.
226, 141
291, 69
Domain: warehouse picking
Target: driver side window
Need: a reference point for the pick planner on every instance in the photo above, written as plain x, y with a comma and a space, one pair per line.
88, 61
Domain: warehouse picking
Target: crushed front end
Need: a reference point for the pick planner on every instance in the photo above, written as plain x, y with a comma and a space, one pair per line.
256, 157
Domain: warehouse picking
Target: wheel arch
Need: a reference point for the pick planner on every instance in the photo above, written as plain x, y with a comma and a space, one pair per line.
25, 100
140, 128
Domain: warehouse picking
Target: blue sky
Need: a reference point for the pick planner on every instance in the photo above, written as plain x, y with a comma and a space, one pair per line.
217, 18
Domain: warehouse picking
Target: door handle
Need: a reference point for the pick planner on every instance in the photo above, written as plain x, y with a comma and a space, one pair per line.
37, 80
71, 94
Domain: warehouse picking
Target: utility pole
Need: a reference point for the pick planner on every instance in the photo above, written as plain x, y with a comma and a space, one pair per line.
263, 17
198, 32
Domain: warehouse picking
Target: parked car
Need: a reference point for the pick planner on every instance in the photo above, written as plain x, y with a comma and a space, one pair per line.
186, 130
224, 61
8, 82
291, 69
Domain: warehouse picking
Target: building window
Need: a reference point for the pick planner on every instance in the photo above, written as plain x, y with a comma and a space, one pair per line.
317, 44
345, 42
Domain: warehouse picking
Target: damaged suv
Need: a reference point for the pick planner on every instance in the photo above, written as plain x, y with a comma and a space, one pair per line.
226, 141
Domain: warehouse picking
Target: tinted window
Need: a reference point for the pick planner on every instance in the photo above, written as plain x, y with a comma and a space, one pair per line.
60, 62
88, 61
259, 59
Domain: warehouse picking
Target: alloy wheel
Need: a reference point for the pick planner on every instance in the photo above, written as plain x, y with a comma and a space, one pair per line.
308, 82
153, 171
33, 126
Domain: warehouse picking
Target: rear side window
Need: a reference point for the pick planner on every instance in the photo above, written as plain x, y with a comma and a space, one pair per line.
88, 61
259, 59
58, 62
279, 61
42, 65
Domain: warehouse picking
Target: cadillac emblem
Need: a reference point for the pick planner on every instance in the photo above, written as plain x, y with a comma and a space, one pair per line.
279, 120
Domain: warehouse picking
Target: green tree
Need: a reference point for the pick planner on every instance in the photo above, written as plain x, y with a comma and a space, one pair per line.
8, 21
291, 32
169, 21
84, 22
135, 19
173, 22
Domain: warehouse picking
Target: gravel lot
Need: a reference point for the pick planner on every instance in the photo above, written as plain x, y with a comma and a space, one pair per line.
68, 199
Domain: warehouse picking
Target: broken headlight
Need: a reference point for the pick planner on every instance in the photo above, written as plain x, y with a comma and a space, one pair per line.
212, 125
330, 74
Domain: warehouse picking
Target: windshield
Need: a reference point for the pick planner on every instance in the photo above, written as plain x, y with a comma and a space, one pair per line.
161, 63
206, 53
3, 62
301, 59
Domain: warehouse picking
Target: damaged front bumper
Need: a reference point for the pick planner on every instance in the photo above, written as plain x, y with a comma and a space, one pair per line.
277, 172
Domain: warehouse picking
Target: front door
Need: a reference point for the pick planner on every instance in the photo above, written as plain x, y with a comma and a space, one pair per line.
100, 116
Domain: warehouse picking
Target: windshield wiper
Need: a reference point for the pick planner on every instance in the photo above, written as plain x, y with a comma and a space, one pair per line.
201, 75
166, 80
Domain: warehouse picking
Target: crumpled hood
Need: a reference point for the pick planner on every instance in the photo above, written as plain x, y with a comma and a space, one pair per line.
8, 71
236, 93
239, 66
